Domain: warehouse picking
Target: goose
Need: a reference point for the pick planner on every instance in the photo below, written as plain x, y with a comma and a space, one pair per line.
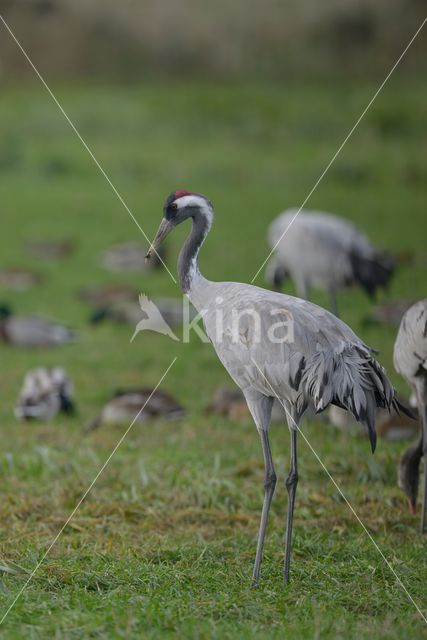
104, 296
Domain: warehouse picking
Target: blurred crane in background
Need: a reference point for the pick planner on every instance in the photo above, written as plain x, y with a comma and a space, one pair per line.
322, 250
410, 360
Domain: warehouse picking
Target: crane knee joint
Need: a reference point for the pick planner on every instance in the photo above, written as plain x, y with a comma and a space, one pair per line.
270, 482
291, 480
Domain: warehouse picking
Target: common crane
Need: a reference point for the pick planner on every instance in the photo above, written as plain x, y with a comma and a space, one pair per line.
410, 360
324, 251
280, 346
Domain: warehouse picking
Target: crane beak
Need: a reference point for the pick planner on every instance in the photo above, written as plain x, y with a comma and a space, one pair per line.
164, 230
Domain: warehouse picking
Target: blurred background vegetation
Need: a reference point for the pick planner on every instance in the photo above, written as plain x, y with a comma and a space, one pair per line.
244, 38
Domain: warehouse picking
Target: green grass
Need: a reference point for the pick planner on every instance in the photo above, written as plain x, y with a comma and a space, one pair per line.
164, 544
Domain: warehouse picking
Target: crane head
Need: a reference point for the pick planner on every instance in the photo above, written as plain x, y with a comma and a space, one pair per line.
179, 206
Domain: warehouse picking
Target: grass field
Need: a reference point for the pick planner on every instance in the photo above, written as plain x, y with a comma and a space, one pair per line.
163, 546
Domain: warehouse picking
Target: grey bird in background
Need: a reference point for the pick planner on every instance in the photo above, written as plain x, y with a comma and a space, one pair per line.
321, 250
32, 331
125, 405
410, 360
320, 360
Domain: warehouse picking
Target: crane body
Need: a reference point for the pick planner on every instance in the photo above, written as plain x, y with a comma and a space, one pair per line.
275, 345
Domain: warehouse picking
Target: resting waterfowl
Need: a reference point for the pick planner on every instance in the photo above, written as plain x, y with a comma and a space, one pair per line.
230, 403
50, 249
32, 331
101, 297
129, 256
390, 425
18, 279
45, 393
126, 403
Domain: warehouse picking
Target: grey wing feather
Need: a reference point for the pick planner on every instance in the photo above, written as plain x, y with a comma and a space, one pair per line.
323, 361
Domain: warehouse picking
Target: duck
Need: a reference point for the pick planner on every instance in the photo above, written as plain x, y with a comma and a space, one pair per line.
104, 296
32, 331
45, 392
125, 404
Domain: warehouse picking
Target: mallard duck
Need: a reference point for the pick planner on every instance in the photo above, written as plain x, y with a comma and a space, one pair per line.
32, 331
129, 256
44, 393
126, 403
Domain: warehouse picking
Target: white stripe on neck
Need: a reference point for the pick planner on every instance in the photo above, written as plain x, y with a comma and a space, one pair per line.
196, 201
191, 201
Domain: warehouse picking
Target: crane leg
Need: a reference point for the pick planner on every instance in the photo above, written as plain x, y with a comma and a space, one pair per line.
260, 407
291, 486
269, 486
333, 302
423, 505
424, 498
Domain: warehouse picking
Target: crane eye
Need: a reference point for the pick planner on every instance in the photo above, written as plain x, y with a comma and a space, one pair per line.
174, 205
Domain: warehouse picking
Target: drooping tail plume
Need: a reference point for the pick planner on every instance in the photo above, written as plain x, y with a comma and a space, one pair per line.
351, 379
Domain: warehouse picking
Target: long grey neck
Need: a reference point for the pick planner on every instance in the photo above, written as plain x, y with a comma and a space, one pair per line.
188, 268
